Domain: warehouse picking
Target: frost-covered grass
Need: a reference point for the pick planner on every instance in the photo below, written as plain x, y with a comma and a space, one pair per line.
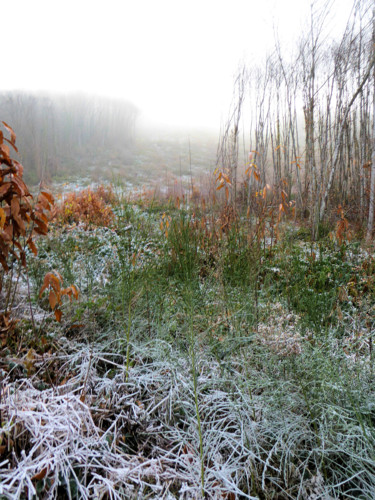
192, 366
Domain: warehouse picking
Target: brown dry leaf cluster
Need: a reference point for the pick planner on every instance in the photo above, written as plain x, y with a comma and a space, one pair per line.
89, 207
20, 217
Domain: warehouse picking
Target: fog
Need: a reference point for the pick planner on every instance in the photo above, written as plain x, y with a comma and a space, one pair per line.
137, 90
174, 60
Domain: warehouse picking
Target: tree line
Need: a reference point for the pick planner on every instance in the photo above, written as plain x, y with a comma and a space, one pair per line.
54, 131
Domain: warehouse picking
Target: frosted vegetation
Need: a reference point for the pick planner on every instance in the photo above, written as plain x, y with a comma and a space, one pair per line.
193, 363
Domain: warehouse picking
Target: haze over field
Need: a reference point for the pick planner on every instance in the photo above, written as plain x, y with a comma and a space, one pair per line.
174, 60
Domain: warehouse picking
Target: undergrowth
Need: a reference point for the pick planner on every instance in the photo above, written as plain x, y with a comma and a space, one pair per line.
206, 356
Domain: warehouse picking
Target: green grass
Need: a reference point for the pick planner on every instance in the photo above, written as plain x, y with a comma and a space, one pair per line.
263, 355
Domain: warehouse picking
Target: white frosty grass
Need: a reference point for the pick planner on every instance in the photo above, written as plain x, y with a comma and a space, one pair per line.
108, 438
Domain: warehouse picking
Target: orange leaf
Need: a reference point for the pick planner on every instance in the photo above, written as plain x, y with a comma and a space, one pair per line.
2, 218
75, 291
58, 315
52, 299
48, 195
256, 175
5, 150
41, 228
50, 280
11, 131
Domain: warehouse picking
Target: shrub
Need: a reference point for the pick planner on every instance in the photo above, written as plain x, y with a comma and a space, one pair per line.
87, 206
21, 218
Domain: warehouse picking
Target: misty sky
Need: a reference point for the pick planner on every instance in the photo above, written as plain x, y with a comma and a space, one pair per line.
175, 59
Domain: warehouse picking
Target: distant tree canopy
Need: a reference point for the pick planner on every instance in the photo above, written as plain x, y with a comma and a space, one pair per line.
53, 130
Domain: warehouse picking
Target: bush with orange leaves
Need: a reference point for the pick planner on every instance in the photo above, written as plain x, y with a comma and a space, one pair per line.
89, 207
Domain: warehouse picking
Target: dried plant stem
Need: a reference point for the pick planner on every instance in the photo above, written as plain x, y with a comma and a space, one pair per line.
128, 340
196, 402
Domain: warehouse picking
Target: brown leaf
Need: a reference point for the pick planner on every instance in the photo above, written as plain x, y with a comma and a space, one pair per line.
2, 218
3, 262
13, 145
58, 315
11, 131
20, 224
50, 280
41, 228
32, 246
41, 475
5, 151
7, 234
52, 299
20, 186
19, 168
49, 196
15, 206
4, 189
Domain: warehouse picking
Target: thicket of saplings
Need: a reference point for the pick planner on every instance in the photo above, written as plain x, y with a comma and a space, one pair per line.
308, 113
211, 350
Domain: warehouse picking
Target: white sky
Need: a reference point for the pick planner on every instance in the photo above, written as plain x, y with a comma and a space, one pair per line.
175, 59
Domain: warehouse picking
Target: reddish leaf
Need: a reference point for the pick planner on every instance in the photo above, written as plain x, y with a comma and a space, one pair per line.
19, 167
5, 150
11, 131
49, 196
20, 186
32, 246
50, 280
15, 207
4, 189
75, 291
11, 143
41, 227
58, 315
52, 299
2, 218
3, 262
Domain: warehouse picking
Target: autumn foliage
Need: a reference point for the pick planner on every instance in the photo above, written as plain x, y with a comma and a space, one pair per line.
89, 207
52, 282
21, 218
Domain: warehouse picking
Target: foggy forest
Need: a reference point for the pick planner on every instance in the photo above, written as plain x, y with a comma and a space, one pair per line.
189, 312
